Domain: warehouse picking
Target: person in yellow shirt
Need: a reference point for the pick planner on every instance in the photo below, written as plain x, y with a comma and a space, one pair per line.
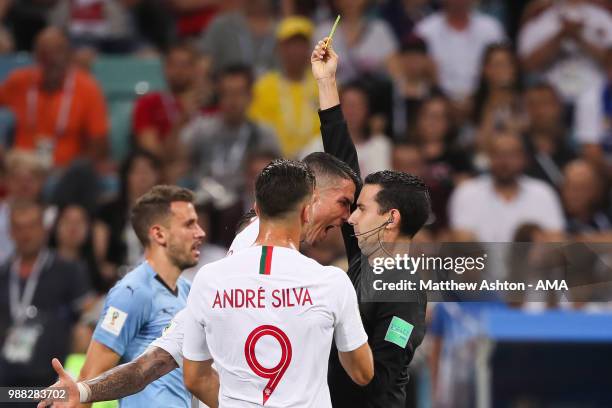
287, 99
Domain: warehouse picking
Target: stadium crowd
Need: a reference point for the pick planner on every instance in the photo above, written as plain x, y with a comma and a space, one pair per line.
504, 108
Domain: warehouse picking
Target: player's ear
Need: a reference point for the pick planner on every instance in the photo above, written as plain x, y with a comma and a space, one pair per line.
157, 234
309, 208
256, 208
305, 213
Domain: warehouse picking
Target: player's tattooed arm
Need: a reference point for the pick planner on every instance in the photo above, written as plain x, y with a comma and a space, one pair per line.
118, 382
132, 377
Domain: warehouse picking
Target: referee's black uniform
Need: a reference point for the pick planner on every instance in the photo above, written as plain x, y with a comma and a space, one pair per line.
388, 387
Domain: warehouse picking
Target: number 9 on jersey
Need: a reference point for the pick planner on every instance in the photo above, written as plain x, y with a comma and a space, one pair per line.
274, 374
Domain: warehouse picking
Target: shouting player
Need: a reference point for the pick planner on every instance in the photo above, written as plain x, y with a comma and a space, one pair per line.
267, 315
336, 187
336, 184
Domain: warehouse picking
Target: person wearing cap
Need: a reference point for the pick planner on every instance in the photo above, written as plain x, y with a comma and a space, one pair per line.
287, 99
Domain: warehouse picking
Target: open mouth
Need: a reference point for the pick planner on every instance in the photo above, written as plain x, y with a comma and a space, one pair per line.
195, 250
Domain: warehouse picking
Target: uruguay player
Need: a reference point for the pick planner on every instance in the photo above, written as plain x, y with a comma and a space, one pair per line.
144, 302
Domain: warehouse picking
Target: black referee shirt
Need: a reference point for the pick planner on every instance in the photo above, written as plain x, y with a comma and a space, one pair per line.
388, 387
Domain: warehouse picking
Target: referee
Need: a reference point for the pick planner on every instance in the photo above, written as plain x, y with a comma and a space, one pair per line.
401, 205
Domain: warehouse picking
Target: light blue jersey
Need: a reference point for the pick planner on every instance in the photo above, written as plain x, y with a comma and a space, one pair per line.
136, 311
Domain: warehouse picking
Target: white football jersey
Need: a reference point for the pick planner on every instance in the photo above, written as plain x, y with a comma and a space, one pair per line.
267, 316
245, 238
172, 337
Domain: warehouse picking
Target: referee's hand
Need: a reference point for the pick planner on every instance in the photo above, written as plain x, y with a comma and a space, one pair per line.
324, 61
66, 382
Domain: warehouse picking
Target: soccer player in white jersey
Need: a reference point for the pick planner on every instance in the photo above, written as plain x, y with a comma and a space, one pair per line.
267, 315
336, 186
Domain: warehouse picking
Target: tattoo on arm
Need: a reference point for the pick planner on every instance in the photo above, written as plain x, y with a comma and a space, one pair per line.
132, 377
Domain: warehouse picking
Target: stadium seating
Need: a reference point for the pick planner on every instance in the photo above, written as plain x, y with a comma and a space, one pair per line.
11, 61
123, 80
128, 77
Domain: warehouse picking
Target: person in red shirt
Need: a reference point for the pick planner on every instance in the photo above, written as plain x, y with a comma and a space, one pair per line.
60, 110
159, 115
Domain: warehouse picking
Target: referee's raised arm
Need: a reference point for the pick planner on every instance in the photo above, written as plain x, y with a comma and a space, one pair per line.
391, 359
336, 138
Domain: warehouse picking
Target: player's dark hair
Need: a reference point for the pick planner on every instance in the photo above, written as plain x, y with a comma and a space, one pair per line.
155, 205
406, 193
326, 165
245, 220
281, 185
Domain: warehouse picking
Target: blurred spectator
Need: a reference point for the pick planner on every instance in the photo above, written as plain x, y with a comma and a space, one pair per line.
244, 37
139, 173
374, 150
7, 44
582, 197
307, 8
546, 137
407, 157
565, 43
402, 15
366, 45
154, 21
497, 103
416, 83
103, 25
435, 134
224, 219
287, 99
253, 165
40, 294
24, 178
593, 118
218, 144
60, 110
72, 238
159, 116
194, 16
25, 19
446, 165
491, 207
456, 38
